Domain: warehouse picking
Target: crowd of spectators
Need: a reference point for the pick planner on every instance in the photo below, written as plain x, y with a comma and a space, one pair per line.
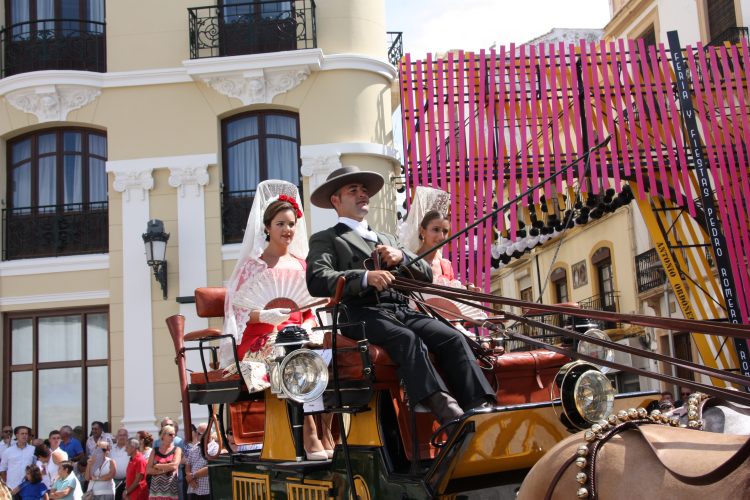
66, 464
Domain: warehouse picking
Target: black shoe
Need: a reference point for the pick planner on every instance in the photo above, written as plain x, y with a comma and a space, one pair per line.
443, 406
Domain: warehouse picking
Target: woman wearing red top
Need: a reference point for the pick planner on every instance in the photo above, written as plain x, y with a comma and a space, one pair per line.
136, 487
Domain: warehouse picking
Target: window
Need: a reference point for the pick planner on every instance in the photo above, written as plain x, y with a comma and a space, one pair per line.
256, 146
57, 200
58, 369
603, 263
60, 168
559, 279
54, 34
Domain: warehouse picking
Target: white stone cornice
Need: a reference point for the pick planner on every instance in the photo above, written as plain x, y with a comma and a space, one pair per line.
46, 265
52, 102
184, 177
201, 69
101, 295
258, 86
356, 148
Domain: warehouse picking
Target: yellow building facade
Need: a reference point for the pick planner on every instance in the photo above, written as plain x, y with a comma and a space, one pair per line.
171, 111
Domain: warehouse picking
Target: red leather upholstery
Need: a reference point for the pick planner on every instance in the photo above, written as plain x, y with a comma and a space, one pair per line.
209, 301
526, 377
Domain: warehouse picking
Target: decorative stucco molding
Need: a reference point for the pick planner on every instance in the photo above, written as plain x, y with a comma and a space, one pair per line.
258, 86
52, 102
185, 177
317, 167
133, 181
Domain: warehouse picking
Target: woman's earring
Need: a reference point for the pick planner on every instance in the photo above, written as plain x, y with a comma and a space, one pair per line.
421, 237
268, 236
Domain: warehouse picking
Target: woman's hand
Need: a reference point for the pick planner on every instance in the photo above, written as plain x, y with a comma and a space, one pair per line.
274, 316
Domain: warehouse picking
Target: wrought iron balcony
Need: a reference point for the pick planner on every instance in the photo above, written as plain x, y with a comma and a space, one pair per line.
55, 230
609, 301
71, 44
395, 47
732, 35
649, 271
251, 28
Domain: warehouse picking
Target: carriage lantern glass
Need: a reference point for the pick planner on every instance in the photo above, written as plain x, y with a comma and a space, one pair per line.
586, 394
303, 375
155, 241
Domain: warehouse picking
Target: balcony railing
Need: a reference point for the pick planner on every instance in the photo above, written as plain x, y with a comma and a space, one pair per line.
251, 28
395, 47
650, 273
55, 230
732, 35
235, 208
609, 301
70, 44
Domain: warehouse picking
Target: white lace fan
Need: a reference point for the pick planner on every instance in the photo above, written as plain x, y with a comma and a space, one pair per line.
273, 288
451, 309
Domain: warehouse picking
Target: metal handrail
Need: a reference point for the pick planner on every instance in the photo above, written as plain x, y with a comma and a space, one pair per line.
251, 28
43, 44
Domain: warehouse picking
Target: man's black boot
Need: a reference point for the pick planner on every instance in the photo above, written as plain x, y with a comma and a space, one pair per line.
443, 406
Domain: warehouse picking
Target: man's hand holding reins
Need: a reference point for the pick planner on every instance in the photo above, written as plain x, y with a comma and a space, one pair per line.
389, 256
380, 279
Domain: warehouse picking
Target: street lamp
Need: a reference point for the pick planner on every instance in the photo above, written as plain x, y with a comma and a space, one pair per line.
155, 241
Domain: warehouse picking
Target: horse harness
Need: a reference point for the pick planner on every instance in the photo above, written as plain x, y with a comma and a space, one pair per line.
632, 419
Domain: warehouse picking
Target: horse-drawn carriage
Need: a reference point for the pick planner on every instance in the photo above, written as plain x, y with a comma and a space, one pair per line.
386, 448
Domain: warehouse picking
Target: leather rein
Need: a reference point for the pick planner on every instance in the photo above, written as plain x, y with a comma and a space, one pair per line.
474, 299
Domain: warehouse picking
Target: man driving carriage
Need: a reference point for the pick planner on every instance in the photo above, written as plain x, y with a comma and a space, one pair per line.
408, 336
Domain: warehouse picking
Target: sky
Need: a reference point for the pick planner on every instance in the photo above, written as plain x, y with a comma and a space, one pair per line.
441, 25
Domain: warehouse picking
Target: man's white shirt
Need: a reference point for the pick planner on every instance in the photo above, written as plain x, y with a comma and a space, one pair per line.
14, 462
122, 459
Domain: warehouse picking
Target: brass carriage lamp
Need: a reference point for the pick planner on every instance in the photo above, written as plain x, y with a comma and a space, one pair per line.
155, 240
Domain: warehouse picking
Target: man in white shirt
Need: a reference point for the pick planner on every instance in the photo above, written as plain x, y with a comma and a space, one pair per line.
121, 457
97, 434
15, 459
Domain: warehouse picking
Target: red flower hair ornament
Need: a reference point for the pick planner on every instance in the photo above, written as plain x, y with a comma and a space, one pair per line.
293, 203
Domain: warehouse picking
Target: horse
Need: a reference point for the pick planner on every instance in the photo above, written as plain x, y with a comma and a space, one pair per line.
636, 457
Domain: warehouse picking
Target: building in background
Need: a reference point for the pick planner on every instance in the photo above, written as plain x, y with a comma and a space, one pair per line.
160, 110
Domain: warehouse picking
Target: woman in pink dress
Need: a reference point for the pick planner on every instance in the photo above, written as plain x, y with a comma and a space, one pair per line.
267, 285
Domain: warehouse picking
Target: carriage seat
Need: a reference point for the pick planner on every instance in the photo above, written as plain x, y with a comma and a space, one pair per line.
519, 377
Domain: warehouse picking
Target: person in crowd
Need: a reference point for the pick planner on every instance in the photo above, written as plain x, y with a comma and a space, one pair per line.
32, 487
196, 466
162, 466
147, 441
408, 336
97, 434
70, 445
57, 454
684, 396
121, 457
100, 471
275, 245
178, 441
136, 487
16, 458
66, 486
43, 461
7, 439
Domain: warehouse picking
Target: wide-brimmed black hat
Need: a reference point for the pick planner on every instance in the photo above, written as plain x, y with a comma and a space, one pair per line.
321, 197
